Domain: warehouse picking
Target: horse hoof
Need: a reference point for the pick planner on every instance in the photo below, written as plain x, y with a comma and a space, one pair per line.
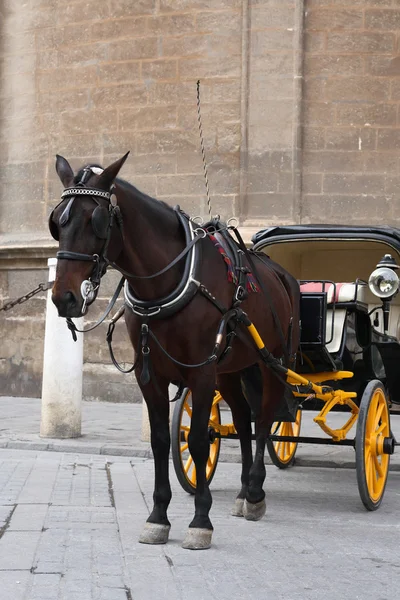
254, 512
237, 508
155, 533
197, 539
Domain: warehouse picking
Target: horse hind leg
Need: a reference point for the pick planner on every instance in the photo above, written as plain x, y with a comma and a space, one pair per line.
157, 527
231, 390
254, 507
200, 530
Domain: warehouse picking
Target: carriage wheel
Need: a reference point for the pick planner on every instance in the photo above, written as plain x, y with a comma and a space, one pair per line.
282, 453
183, 462
372, 462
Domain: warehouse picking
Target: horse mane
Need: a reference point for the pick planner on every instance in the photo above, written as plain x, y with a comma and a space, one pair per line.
158, 207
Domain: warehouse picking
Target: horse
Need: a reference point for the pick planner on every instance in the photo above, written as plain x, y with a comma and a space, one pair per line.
177, 291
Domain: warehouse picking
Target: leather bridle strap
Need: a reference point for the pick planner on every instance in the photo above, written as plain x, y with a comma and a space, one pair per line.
189, 246
71, 325
67, 255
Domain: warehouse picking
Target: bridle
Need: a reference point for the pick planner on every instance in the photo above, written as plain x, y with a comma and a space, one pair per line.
102, 221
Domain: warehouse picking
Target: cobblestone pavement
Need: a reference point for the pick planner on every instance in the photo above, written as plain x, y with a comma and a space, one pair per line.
116, 429
69, 525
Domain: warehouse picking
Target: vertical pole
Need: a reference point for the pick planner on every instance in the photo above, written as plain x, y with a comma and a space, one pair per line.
62, 373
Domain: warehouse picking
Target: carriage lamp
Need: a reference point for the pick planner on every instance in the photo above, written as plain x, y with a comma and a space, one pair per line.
384, 283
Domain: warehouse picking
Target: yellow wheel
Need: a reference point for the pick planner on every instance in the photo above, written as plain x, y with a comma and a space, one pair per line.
282, 453
374, 444
182, 459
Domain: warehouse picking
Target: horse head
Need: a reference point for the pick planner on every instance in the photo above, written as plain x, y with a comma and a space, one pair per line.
82, 222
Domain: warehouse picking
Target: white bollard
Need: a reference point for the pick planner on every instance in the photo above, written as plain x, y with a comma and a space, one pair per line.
62, 373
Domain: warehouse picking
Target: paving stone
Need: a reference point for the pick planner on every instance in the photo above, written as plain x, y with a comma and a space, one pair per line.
28, 517
11, 544
14, 584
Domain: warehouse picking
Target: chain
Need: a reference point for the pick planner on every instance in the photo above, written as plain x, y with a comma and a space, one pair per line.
42, 287
203, 152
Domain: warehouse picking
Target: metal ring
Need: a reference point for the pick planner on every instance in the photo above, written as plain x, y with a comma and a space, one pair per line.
145, 350
235, 220
200, 231
198, 220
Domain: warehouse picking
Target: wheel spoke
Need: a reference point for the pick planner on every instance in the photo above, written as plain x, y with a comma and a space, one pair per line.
378, 467
188, 409
380, 429
193, 476
188, 464
184, 447
185, 428
378, 415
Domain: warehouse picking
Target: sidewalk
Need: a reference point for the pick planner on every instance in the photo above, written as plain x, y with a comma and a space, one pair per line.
116, 430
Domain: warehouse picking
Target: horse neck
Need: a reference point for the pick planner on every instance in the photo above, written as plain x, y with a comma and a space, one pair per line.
152, 239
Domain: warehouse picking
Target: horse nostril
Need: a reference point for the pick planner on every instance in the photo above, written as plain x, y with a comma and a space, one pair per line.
69, 299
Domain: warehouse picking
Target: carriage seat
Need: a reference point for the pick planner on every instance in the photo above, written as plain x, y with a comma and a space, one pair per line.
338, 296
338, 292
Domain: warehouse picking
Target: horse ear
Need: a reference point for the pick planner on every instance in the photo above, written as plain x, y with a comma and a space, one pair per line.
110, 173
64, 171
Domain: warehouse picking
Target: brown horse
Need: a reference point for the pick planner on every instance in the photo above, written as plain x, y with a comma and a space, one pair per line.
102, 220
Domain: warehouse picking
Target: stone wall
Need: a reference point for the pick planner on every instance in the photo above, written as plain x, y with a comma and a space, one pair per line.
351, 112
300, 118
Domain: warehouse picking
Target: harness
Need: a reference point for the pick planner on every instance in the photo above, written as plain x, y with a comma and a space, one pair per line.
103, 220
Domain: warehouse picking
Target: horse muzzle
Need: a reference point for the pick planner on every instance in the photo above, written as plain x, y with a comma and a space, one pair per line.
67, 304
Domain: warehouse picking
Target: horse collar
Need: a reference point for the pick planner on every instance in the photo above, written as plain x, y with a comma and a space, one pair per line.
185, 290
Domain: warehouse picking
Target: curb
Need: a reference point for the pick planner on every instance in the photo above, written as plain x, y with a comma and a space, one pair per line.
146, 453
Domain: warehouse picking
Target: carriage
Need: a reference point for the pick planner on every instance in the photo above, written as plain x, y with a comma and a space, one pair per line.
348, 359
201, 308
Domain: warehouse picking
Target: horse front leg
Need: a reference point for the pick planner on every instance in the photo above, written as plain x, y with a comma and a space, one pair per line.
200, 529
156, 529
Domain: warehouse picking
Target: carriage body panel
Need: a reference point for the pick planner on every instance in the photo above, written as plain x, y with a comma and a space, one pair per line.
345, 256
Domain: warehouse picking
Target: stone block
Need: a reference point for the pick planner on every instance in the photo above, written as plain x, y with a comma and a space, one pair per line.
366, 114
148, 118
82, 56
178, 185
262, 42
223, 23
353, 184
388, 139
360, 42
381, 162
272, 207
381, 66
313, 138
314, 41
199, 68
382, 19
332, 161
56, 102
318, 113
332, 65
126, 27
186, 45
367, 89
160, 69
187, 5
133, 49
350, 138
126, 8
119, 95
82, 11
273, 16
178, 24
66, 78
311, 183
328, 18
